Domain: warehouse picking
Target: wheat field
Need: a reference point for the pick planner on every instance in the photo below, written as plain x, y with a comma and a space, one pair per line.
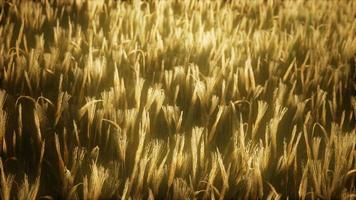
177, 99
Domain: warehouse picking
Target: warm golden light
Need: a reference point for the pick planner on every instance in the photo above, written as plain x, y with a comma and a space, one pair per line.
177, 99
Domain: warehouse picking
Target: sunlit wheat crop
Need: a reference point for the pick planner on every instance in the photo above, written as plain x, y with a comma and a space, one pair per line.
177, 99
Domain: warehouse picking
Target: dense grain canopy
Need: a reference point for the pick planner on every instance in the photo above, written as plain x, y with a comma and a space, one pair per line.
245, 99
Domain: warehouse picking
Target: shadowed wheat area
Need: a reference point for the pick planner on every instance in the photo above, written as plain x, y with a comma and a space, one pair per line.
245, 99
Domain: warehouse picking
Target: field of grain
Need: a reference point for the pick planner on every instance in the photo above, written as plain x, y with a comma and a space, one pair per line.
177, 99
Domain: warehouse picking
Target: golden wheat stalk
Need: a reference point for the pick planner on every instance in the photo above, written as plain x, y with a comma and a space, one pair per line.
93, 183
195, 143
261, 110
3, 118
6, 183
28, 191
176, 158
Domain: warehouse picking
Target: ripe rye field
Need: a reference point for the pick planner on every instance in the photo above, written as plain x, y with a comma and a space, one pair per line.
177, 99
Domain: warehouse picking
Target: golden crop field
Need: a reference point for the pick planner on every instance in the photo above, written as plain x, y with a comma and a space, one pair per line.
177, 99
